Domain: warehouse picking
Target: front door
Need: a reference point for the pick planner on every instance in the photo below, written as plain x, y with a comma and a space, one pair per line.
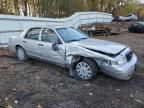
48, 37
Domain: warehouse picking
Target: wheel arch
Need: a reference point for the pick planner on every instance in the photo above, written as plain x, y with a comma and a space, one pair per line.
25, 56
18, 45
76, 58
91, 62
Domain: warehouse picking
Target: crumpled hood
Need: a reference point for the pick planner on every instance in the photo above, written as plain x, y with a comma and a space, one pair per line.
100, 45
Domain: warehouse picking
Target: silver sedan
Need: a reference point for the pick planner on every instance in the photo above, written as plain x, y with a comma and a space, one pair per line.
73, 49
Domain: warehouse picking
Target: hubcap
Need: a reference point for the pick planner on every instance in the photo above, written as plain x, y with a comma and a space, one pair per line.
83, 70
21, 54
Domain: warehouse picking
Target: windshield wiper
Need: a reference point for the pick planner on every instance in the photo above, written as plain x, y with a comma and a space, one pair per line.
73, 40
83, 38
76, 40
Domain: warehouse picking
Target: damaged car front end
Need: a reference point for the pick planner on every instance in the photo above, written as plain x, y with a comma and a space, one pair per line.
122, 66
113, 59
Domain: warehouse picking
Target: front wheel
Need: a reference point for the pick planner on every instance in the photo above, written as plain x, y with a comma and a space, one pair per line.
21, 54
85, 69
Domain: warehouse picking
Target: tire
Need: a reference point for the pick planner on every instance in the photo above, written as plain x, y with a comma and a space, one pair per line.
90, 33
21, 54
85, 69
107, 32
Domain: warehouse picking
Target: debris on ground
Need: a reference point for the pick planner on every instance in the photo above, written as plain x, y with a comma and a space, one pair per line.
16, 101
13, 89
139, 101
6, 98
39, 106
117, 90
131, 95
90, 94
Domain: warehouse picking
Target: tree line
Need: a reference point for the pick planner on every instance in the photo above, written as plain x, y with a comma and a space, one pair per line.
64, 8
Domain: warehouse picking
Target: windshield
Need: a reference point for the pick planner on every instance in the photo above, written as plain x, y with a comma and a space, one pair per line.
70, 34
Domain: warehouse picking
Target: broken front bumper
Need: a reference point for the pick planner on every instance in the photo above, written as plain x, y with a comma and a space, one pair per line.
123, 72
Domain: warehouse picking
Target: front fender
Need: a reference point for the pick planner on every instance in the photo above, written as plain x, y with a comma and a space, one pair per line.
76, 51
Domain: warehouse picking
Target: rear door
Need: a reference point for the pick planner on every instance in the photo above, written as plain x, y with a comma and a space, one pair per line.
31, 42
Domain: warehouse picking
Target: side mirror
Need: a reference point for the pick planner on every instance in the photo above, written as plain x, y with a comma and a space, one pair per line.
55, 45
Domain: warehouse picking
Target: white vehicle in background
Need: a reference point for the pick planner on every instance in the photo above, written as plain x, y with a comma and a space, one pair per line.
129, 17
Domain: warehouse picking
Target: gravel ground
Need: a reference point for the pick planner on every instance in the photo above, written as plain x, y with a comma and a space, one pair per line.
35, 84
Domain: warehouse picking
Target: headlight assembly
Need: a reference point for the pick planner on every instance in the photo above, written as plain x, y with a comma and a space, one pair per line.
119, 61
110, 63
106, 62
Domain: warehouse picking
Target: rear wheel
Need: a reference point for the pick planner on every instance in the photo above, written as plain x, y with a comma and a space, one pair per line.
21, 54
85, 69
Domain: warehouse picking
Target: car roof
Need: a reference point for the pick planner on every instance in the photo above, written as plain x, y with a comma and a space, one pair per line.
54, 27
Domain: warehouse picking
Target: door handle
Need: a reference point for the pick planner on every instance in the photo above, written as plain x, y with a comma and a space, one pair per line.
40, 45
24, 41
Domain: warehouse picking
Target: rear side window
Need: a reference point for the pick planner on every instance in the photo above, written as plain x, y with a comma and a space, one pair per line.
33, 34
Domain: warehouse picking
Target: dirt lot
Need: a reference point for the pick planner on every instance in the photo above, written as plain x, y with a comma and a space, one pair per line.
36, 84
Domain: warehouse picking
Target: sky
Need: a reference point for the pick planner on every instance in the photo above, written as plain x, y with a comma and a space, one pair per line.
142, 1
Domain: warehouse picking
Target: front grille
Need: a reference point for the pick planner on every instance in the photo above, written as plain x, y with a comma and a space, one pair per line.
129, 56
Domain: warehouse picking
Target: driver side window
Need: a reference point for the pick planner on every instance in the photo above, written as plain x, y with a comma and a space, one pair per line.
48, 35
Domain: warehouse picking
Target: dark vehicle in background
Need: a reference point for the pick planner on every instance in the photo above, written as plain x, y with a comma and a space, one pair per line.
117, 18
137, 27
99, 30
